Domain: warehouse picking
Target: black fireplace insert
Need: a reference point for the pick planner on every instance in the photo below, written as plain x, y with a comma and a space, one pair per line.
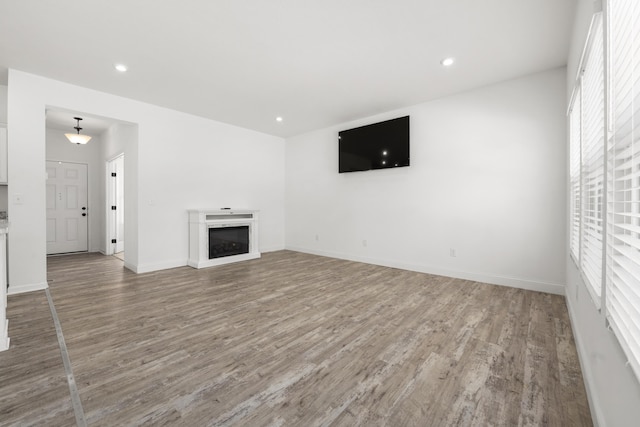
228, 241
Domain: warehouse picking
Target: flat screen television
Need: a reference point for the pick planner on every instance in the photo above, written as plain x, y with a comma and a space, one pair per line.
377, 146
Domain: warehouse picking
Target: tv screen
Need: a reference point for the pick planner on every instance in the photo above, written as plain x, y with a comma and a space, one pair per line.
377, 146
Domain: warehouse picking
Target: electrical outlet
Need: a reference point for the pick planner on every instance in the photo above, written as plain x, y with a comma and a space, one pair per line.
364, 243
317, 238
452, 253
17, 199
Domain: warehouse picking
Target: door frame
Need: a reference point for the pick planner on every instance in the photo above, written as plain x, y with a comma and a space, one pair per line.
110, 189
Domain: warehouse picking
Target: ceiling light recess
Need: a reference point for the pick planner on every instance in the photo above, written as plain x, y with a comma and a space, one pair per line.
447, 62
278, 119
77, 138
121, 67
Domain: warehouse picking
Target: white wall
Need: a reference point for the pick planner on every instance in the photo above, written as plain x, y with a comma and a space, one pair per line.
175, 162
613, 389
3, 119
3, 198
204, 164
3, 104
58, 148
486, 179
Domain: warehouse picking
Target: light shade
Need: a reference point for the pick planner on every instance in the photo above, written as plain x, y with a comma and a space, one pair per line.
76, 138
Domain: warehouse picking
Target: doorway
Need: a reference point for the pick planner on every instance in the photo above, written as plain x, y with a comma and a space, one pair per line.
115, 206
67, 209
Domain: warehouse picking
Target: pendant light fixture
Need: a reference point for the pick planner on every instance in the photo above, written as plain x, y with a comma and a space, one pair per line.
77, 138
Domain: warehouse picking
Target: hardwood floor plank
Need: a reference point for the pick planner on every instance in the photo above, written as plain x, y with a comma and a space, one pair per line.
33, 382
297, 339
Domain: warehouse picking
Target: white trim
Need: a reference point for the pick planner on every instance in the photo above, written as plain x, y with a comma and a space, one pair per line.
514, 282
148, 268
166, 265
4, 322
130, 266
4, 337
587, 45
108, 192
593, 171
273, 249
587, 373
224, 260
108, 187
29, 287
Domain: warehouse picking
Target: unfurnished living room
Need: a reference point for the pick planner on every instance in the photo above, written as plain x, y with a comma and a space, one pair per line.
305, 213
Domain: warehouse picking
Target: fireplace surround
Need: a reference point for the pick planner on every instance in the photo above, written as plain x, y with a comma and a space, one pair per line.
222, 236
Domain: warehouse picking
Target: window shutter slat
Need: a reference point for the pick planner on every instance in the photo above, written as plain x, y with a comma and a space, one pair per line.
574, 174
623, 157
592, 167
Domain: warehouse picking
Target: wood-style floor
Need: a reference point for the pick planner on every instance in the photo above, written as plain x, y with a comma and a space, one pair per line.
288, 340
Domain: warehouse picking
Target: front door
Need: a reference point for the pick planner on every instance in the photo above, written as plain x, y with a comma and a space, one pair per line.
67, 210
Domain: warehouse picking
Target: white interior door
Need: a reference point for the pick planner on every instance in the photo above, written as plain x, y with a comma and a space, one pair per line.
67, 210
116, 199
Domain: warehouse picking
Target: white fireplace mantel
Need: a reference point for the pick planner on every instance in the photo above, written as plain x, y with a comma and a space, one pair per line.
201, 220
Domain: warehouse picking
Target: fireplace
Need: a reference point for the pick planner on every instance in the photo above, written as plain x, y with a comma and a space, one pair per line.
222, 236
228, 241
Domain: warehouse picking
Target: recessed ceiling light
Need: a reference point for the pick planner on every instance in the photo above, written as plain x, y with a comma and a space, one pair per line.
278, 119
447, 62
121, 67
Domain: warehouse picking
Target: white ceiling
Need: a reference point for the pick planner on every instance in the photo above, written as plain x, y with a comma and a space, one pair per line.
315, 63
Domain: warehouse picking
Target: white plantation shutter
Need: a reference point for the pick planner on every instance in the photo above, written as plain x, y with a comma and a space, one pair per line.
593, 163
623, 156
574, 174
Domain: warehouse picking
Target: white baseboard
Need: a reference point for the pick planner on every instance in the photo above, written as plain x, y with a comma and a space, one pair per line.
272, 249
30, 287
131, 267
223, 260
587, 373
4, 337
148, 268
514, 282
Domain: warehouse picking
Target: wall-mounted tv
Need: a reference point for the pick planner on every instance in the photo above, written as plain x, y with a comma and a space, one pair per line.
376, 146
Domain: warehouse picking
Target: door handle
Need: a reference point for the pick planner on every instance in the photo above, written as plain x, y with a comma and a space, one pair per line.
84, 214
84, 208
